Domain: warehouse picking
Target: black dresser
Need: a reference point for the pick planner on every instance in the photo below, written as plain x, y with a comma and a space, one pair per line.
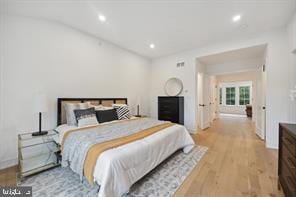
287, 159
171, 108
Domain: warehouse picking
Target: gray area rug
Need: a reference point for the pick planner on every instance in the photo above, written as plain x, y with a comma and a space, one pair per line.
163, 181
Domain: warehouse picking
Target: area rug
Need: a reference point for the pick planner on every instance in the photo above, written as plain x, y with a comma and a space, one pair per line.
163, 181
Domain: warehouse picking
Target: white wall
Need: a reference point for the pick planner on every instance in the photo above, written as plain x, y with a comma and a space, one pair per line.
237, 66
292, 65
165, 68
277, 77
63, 62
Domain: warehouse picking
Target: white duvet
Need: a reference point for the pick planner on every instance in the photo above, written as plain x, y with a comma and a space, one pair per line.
118, 169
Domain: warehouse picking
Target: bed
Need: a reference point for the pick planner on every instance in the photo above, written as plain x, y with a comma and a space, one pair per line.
114, 155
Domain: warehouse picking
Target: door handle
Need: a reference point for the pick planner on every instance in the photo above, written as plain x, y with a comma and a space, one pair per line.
202, 105
264, 107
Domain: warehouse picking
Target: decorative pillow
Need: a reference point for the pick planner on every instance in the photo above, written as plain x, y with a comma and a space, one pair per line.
69, 110
122, 111
99, 107
86, 117
106, 115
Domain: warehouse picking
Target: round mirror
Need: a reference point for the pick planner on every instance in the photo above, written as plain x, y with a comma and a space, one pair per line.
173, 87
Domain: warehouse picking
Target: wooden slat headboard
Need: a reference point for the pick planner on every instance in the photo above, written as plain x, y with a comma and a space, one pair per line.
61, 118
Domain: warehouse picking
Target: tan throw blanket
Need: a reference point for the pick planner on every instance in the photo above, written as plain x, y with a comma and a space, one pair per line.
95, 151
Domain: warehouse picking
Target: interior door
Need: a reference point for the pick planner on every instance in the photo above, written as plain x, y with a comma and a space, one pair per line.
204, 100
263, 102
261, 95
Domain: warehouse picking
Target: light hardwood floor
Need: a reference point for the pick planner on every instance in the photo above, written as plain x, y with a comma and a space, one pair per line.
236, 164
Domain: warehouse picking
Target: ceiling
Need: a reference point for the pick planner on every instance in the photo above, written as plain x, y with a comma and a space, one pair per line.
248, 53
173, 26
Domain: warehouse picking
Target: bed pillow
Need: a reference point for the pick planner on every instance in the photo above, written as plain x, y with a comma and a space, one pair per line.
98, 107
106, 115
86, 117
69, 110
122, 111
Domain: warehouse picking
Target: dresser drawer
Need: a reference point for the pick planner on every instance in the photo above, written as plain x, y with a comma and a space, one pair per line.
169, 118
289, 161
287, 181
171, 101
168, 113
167, 108
289, 142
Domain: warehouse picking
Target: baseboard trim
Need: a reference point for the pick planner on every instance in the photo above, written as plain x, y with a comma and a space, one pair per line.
271, 146
8, 163
258, 130
206, 125
192, 131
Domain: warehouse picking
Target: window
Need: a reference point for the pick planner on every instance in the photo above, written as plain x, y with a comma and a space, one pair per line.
220, 96
230, 96
244, 95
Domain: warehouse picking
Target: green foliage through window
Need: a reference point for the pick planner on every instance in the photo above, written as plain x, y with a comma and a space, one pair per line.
230, 96
244, 95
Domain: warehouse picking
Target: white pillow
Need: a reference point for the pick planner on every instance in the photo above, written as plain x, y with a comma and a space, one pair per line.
87, 121
99, 107
118, 105
69, 110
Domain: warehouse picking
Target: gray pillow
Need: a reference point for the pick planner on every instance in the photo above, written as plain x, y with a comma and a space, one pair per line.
106, 115
86, 117
69, 110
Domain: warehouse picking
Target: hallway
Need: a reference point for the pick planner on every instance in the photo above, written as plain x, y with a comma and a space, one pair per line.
237, 163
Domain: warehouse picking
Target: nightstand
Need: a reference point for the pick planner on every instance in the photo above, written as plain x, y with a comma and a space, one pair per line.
37, 153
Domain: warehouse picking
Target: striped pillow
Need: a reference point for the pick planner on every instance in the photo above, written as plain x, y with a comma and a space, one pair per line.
122, 111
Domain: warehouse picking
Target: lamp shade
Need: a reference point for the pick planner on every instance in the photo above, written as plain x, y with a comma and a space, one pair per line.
40, 103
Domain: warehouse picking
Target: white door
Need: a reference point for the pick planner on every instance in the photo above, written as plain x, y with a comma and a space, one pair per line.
260, 108
263, 102
203, 100
213, 97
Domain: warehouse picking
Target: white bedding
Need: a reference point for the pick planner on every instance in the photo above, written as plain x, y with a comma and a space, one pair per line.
118, 169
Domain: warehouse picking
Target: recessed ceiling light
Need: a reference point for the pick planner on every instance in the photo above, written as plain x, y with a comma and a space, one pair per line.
102, 18
236, 18
152, 46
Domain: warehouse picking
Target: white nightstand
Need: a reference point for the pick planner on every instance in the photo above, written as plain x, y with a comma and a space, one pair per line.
37, 153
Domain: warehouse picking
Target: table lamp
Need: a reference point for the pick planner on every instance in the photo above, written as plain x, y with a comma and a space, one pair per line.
41, 105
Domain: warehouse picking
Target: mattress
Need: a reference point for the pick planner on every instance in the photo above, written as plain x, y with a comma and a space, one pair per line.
117, 169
